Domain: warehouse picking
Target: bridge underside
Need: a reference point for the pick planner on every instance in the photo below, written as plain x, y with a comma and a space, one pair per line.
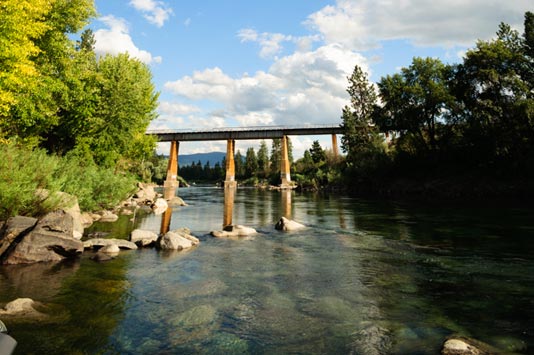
231, 135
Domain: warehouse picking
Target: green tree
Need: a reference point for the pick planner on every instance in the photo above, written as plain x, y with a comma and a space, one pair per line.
251, 163
415, 102
317, 153
239, 165
263, 160
276, 151
494, 89
22, 22
360, 136
126, 107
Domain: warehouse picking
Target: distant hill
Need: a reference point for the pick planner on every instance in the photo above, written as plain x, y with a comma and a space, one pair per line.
213, 157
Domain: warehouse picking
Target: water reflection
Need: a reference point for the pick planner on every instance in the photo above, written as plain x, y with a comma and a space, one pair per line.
286, 202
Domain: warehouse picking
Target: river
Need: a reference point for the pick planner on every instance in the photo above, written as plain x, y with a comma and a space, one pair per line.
366, 276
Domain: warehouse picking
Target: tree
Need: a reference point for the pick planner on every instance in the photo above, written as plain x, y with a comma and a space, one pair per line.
263, 160
317, 153
276, 151
360, 135
494, 88
415, 102
23, 21
127, 105
239, 165
251, 163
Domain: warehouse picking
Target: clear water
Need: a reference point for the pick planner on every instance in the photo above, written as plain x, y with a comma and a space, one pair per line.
365, 277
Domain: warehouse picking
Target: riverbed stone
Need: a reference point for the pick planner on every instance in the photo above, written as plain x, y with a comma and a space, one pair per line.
459, 345
288, 225
236, 230
50, 240
112, 249
101, 242
21, 308
143, 238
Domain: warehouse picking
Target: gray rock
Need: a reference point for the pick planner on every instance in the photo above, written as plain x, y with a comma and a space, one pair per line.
287, 225
100, 257
50, 240
14, 227
160, 206
143, 238
234, 231
179, 239
101, 242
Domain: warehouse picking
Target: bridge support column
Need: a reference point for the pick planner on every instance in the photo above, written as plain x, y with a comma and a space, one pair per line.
171, 182
334, 146
285, 171
230, 165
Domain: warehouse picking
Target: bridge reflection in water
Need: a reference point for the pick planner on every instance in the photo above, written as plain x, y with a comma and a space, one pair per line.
228, 209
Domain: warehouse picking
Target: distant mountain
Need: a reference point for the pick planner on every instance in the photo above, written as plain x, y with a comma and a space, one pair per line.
213, 157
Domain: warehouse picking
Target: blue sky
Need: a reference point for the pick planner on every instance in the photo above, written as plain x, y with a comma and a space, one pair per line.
250, 63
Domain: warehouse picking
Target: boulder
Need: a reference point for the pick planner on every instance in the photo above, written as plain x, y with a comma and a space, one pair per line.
288, 225
160, 206
50, 240
101, 242
13, 228
143, 238
73, 208
179, 239
234, 231
146, 193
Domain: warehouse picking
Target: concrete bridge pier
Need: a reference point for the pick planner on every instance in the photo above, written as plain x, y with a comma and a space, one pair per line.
229, 181
334, 146
285, 170
171, 182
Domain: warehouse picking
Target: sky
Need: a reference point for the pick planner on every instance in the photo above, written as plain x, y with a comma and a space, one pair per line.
239, 63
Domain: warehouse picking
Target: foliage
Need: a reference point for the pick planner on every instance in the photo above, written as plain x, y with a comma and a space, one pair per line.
263, 159
24, 172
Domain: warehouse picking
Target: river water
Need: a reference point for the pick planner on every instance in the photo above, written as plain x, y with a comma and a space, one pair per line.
364, 277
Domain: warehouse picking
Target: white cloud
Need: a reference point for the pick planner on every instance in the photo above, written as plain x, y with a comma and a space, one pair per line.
116, 39
156, 12
306, 87
169, 108
361, 25
271, 43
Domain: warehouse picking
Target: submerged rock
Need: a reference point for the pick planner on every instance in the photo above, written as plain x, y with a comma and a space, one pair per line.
467, 346
287, 225
234, 231
22, 308
15, 227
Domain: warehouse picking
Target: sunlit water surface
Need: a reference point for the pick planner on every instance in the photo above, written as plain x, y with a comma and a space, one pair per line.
367, 277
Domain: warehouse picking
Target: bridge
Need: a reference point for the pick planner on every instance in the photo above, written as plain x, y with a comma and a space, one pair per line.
231, 134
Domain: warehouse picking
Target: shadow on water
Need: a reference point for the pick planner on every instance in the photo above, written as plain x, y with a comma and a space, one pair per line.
367, 277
